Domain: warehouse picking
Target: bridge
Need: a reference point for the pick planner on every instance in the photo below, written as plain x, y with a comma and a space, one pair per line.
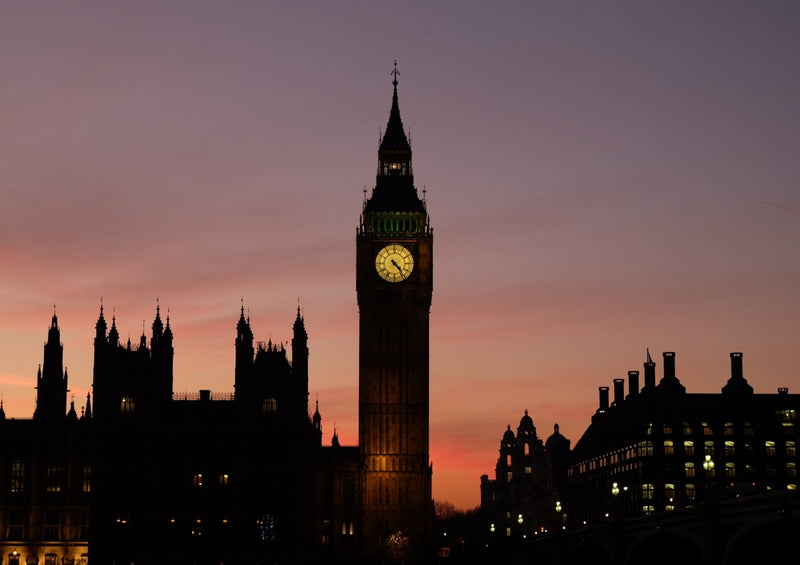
738, 531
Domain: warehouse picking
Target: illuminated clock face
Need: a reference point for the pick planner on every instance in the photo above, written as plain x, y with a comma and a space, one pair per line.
394, 263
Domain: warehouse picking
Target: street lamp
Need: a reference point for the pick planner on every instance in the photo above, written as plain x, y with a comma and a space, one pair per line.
708, 465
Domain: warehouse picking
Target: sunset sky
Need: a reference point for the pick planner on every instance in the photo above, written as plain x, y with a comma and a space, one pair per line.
602, 178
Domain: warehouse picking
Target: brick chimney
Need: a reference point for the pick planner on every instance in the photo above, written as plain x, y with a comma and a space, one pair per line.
619, 391
603, 399
669, 365
736, 366
633, 383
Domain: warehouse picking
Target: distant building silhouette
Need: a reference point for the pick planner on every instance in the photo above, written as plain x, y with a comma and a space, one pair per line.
146, 475
656, 449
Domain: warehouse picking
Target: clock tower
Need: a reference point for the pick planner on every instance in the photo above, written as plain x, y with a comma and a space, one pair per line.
394, 284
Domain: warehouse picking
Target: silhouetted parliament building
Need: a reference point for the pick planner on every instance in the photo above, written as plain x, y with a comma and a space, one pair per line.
143, 475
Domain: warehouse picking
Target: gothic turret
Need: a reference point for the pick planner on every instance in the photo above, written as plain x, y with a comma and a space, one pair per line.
300, 361
244, 353
51, 381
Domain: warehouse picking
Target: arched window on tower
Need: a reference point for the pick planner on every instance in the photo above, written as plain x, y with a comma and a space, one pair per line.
126, 405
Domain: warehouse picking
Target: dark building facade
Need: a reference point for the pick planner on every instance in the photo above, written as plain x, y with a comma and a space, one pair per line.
655, 449
145, 475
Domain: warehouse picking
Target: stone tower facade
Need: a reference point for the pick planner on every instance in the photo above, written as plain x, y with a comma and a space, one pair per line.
394, 283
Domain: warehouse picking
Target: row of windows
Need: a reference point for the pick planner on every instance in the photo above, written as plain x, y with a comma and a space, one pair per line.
785, 417
223, 481
54, 522
646, 448
53, 479
15, 558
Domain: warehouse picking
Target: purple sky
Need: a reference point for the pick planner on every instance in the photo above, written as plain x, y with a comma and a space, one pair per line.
602, 177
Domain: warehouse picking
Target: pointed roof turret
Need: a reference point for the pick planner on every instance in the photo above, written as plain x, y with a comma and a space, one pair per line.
316, 419
100, 326
88, 412
113, 334
243, 329
72, 415
168, 329
394, 189
158, 326
394, 142
299, 324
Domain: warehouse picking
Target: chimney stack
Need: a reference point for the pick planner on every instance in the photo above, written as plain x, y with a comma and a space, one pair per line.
633, 383
669, 365
736, 366
649, 373
603, 399
619, 391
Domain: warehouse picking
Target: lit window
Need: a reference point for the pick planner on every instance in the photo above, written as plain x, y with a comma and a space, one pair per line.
690, 492
223, 480
730, 449
126, 405
17, 475
13, 558
667, 430
689, 469
53, 479
86, 482
50, 559
790, 451
270, 405
508, 531
648, 490
197, 481
668, 447
791, 470
669, 494
646, 449
730, 470
688, 447
709, 448
728, 430
770, 448
707, 431
528, 470
510, 474
687, 429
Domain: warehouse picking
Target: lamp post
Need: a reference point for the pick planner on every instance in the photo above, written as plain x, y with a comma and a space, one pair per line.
708, 466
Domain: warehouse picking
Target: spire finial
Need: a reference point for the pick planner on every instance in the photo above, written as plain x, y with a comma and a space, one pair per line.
394, 73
